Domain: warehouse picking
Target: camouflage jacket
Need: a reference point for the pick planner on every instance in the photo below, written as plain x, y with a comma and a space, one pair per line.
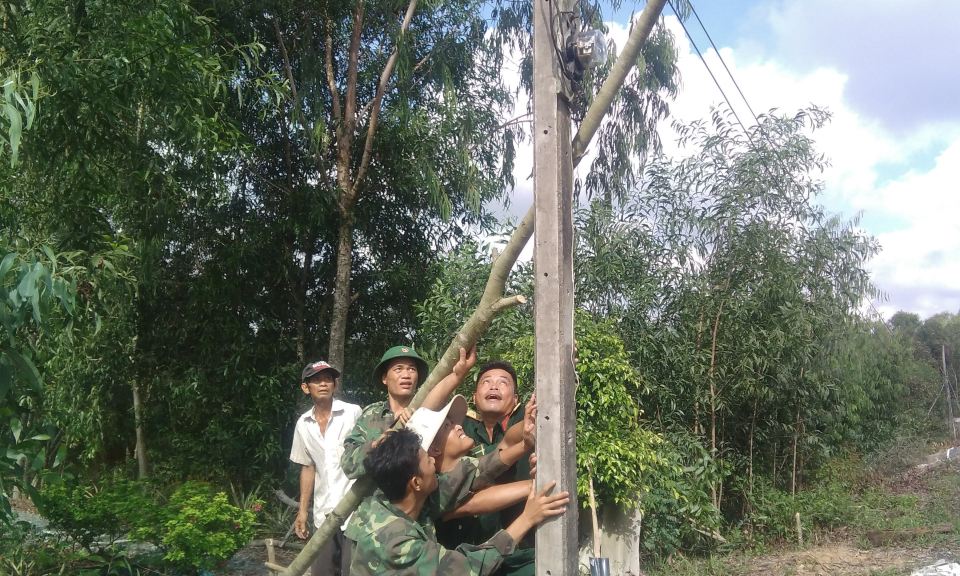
395, 544
454, 488
372, 423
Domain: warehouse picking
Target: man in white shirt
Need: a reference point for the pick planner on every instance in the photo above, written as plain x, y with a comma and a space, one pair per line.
317, 447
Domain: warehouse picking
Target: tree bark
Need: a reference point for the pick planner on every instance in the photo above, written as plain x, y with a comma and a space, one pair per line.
946, 384
341, 296
713, 400
753, 429
142, 468
793, 477
350, 185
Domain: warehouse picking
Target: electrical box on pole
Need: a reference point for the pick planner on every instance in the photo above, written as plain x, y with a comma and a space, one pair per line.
556, 539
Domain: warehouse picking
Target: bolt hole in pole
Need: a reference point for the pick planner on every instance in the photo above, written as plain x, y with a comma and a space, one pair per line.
546, 418
546, 131
545, 274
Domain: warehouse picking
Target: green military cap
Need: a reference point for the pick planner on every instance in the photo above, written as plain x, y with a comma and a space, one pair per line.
401, 352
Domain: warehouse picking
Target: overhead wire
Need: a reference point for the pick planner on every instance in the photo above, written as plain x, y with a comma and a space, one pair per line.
755, 117
722, 61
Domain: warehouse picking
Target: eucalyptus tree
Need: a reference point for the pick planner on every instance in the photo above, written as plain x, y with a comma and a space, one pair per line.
128, 130
390, 138
738, 295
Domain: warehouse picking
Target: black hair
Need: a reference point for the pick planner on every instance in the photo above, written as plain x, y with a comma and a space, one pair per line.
394, 461
499, 365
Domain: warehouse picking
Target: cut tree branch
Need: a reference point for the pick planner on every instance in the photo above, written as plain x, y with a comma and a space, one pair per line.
484, 314
618, 74
510, 302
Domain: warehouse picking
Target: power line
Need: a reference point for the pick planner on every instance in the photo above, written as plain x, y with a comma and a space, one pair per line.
717, 50
709, 71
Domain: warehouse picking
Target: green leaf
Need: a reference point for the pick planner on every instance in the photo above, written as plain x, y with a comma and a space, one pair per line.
16, 427
61, 455
14, 131
26, 369
7, 263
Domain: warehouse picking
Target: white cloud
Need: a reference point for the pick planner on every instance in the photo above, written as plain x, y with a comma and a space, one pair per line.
913, 215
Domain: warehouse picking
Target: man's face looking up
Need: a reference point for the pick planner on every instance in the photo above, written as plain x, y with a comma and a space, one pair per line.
320, 386
400, 378
496, 393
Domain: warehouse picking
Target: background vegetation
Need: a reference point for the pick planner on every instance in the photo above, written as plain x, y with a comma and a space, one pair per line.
176, 187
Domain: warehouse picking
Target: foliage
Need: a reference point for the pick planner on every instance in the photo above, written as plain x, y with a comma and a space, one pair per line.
97, 517
31, 287
612, 445
196, 528
18, 109
740, 298
200, 529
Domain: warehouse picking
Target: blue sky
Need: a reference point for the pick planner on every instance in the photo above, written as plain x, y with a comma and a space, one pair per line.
887, 71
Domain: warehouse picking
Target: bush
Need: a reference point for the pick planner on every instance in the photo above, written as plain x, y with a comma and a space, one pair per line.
196, 529
96, 517
199, 529
678, 509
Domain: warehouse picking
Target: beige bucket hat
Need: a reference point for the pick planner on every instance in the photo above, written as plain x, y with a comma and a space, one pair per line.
426, 423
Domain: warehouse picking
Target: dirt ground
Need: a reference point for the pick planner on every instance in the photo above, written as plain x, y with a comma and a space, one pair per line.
249, 561
844, 558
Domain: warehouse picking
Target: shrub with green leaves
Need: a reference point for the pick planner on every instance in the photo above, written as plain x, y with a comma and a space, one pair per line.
612, 445
200, 529
95, 517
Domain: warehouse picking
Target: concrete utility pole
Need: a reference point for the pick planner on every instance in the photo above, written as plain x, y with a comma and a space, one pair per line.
556, 553
946, 386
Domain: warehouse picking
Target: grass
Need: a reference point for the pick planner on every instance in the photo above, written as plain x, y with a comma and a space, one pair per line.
917, 501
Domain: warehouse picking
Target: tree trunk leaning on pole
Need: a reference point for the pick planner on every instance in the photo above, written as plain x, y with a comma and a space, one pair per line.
618, 74
492, 301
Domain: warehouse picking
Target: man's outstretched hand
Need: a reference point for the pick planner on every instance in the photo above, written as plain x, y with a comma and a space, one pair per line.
530, 423
468, 358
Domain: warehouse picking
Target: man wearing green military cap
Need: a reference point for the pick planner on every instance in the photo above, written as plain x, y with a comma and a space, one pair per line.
401, 370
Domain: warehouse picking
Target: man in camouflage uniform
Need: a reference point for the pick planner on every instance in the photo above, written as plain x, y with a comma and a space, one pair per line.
461, 477
498, 409
397, 544
401, 370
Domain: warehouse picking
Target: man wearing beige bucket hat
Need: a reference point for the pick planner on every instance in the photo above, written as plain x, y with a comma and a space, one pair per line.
461, 476
399, 537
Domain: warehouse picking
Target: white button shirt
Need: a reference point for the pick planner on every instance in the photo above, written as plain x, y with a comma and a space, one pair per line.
323, 451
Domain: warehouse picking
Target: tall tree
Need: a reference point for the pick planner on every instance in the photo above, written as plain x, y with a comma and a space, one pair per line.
394, 124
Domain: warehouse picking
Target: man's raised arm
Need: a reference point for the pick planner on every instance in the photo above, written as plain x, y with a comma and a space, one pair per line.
438, 397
